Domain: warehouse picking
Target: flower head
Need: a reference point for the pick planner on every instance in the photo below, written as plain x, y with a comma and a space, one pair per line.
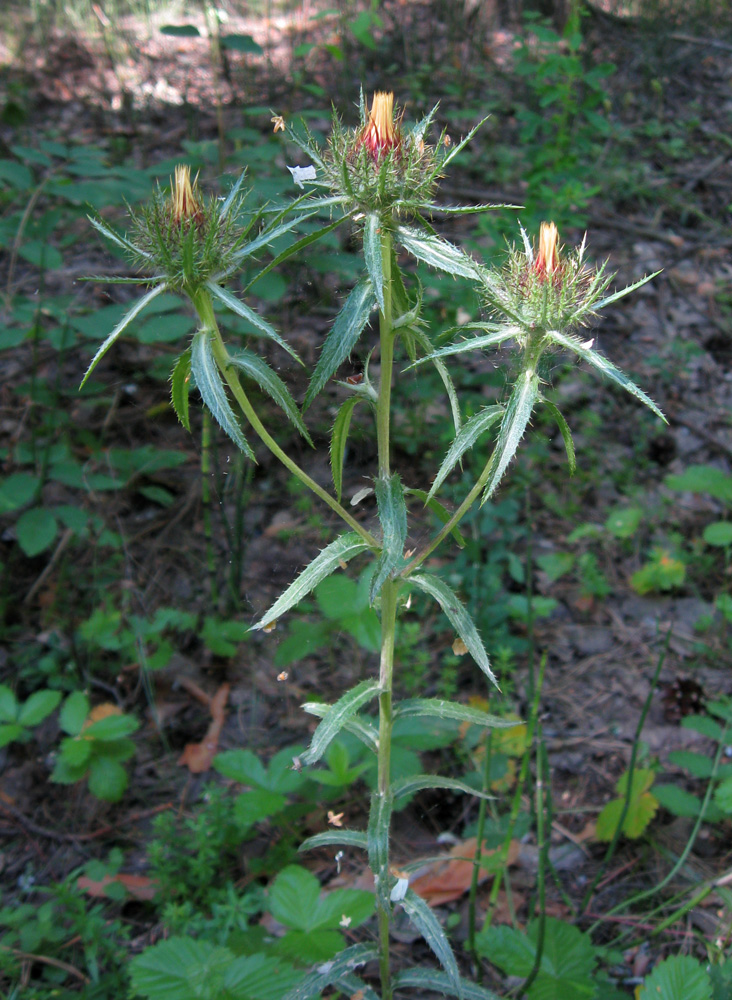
381, 134
546, 264
184, 200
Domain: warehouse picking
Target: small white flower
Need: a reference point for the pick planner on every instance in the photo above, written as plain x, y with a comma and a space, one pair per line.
400, 890
300, 174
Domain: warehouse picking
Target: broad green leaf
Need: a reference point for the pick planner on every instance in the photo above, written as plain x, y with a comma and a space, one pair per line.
372, 255
515, 421
73, 713
723, 795
339, 437
180, 383
123, 323
458, 617
603, 365
393, 519
38, 706
418, 782
363, 730
566, 435
10, 732
254, 806
567, 963
35, 530
434, 980
257, 321
703, 479
75, 752
347, 328
325, 563
180, 30
465, 439
641, 810
208, 379
258, 977
181, 968
431, 930
337, 716
255, 368
112, 727
242, 43
679, 977
107, 779
336, 838
698, 764
357, 905
677, 800
439, 509
439, 709
17, 490
704, 725
436, 252
719, 534
8, 704
343, 964
623, 522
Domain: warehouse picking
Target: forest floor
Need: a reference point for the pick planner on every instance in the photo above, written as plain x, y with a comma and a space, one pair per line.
601, 637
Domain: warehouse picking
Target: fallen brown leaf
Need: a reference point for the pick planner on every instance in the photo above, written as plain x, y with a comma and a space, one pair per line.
446, 879
197, 757
138, 886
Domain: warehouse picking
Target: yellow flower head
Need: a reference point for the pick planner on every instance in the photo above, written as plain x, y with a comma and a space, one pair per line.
380, 135
184, 198
547, 259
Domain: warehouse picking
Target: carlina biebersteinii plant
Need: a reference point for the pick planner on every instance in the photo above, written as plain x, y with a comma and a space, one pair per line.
379, 174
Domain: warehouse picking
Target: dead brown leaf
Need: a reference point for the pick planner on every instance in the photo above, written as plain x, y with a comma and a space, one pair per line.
197, 757
448, 878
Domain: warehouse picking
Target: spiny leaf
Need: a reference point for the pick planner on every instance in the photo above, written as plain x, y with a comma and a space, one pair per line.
336, 717
605, 366
431, 930
339, 437
325, 563
437, 981
437, 708
515, 421
465, 439
418, 782
566, 435
457, 616
424, 342
436, 252
393, 519
372, 255
122, 326
208, 379
343, 337
180, 384
336, 838
256, 368
243, 310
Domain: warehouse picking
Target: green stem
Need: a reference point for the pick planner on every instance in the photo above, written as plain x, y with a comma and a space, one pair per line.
204, 307
386, 346
449, 525
542, 844
206, 500
388, 594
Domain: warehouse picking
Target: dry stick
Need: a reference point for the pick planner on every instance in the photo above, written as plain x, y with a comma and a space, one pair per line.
46, 960
631, 768
57, 553
42, 831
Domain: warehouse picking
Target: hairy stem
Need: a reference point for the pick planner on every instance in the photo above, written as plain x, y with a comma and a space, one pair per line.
388, 593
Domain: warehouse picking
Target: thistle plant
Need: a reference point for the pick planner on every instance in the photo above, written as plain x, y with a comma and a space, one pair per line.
382, 176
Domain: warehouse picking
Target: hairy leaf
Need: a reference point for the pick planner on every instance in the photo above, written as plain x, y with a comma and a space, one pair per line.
515, 421
393, 518
180, 384
336, 717
256, 368
208, 379
465, 439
